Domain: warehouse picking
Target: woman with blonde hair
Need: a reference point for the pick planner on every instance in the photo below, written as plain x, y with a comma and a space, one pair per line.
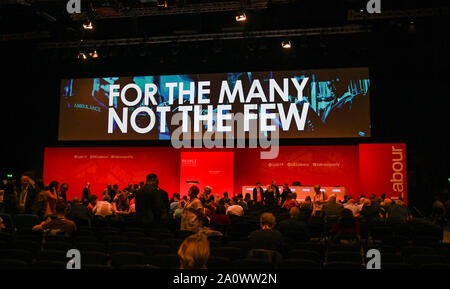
194, 252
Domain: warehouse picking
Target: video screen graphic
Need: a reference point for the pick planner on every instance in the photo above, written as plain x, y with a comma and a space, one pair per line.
323, 103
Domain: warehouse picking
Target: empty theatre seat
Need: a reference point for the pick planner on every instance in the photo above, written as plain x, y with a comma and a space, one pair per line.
57, 245
250, 263
6, 264
164, 261
344, 257
48, 265
232, 253
216, 262
22, 255
124, 258
305, 255
122, 247
25, 222
298, 264
53, 255
8, 222
419, 259
91, 246
343, 266
93, 258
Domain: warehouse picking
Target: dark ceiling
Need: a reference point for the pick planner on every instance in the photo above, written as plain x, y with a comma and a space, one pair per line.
406, 48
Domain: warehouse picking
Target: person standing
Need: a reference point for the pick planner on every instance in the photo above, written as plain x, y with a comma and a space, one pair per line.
276, 191
193, 215
27, 194
149, 204
86, 194
318, 201
259, 190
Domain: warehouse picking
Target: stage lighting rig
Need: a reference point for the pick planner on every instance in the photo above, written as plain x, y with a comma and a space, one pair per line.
241, 17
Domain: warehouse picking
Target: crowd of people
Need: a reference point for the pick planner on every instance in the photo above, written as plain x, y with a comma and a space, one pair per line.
195, 211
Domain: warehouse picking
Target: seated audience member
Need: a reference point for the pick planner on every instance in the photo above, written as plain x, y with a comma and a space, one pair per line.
352, 206
77, 211
234, 208
179, 211
347, 226
193, 212
266, 237
241, 202
290, 202
2, 225
370, 213
194, 252
121, 203
174, 203
220, 217
132, 209
332, 208
103, 208
306, 209
293, 227
92, 202
249, 201
59, 224
397, 213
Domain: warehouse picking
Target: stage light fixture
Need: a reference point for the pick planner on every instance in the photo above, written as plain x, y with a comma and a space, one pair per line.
82, 56
93, 54
87, 25
241, 17
286, 44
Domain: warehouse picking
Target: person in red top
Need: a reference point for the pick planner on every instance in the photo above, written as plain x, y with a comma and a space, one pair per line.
290, 202
346, 228
220, 217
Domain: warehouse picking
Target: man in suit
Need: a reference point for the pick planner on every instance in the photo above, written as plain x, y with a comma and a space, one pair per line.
86, 194
276, 191
150, 203
255, 192
28, 193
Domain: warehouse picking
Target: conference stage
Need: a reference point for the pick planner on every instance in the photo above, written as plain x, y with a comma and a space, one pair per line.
359, 169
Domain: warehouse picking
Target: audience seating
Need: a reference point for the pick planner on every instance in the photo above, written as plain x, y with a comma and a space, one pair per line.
106, 245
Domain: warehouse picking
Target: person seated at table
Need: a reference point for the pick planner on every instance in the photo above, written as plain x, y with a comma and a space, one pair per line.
347, 228
121, 202
59, 224
103, 208
293, 227
290, 202
266, 237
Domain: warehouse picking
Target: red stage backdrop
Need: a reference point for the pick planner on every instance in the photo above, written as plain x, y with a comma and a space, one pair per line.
207, 168
382, 169
363, 169
102, 166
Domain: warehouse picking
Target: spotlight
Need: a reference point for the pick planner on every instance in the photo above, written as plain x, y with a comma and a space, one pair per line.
82, 56
241, 17
93, 54
87, 25
286, 44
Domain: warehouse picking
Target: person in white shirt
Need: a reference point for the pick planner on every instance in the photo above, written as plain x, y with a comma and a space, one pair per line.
104, 208
234, 208
352, 206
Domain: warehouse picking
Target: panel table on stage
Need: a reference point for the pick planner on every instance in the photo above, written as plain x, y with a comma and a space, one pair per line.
302, 191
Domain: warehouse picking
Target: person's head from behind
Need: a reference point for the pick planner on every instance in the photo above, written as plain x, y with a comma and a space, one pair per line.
317, 189
109, 187
106, 198
294, 213
225, 195
75, 201
332, 199
350, 201
289, 197
220, 210
387, 202
193, 191
285, 186
233, 201
60, 209
367, 203
152, 179
93, 199
194, 252
267, 221
347, 220
176, 196
181, 204
53, 187
247, 197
